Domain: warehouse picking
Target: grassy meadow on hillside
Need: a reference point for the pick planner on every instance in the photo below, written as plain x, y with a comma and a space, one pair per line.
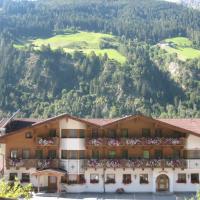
182, 47
81, 41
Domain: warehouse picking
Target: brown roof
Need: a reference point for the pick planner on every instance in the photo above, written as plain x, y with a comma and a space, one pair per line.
187, 124
190, 125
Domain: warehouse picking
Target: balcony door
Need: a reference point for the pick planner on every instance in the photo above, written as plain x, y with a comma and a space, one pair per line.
162, 183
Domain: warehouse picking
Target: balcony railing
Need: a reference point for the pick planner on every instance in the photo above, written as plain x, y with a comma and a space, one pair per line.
134, 141
47, 141
33, 163
136, 163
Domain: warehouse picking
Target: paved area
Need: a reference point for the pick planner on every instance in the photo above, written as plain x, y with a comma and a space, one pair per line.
132, 196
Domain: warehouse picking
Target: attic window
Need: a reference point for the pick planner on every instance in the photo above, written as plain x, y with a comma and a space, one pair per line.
28, 135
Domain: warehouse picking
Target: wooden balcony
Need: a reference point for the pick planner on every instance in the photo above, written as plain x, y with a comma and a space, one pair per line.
47, 141
33, 163
136, 163
99, 142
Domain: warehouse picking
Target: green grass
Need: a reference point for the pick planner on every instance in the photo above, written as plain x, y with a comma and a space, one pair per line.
80, 41
182, 47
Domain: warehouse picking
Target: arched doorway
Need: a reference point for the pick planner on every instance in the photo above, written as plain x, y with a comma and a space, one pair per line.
162, 183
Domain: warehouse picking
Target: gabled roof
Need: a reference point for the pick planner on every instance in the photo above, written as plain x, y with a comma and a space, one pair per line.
187, 125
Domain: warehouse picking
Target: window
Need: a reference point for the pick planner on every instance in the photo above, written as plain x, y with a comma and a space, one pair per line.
192, 154
81, 179
39, 154
95, 133
94, 178
95, 154
81, 133
64, 179
110, 178
13, 153
158, 132
146, 132
126, 178
81, 154
125, 154
52, 154
146, 154
25, 177
181, 178
195, 178
12, 176
72, 133
158, 154
177, 134
52, 133
64, 154
176, 154
64, 133
25, 153
124, 133
111, 154
144, 179
112, 133
28, 135
72, 155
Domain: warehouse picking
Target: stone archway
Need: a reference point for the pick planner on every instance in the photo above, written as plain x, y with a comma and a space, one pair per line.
162, 183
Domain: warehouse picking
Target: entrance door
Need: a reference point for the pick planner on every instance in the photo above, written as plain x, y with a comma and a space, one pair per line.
52, 183
162, 183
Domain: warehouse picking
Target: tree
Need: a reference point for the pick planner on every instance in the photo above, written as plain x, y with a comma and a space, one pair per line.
15, 190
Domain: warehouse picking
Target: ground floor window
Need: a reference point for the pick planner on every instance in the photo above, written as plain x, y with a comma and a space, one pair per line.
195, 178
25, 177
144, 179
126, 178
12, 176
94, 178
110, 178
64, 179
181, 178
76, 179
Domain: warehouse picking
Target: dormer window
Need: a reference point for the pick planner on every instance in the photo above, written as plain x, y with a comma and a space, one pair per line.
28, 135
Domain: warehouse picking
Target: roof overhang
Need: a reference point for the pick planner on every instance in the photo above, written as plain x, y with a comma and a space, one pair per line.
50, 172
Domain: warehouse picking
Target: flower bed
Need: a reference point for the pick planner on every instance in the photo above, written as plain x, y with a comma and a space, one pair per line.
94, 163
16, 162
95, 142
43, 164
46, 141
153, 141
94, 181
110, 181
114, 142
113, 164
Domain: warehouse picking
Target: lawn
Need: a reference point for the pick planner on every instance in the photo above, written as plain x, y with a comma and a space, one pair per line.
80, 41
182, 47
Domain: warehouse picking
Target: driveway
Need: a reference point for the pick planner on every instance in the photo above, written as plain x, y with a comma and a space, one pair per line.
131, 196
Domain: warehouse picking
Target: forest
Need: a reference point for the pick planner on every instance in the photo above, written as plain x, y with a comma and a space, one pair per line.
45, 82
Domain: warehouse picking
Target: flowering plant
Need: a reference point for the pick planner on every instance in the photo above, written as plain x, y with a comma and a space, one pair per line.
113, 142
110, 181
94, 163
95, 142
93, 181
127, 181
113, 163
43, 164
45, 141
16, 162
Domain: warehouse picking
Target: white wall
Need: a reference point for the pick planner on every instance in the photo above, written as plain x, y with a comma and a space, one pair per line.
193, 142
73, 166
72, 144
71, 124
33, 179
